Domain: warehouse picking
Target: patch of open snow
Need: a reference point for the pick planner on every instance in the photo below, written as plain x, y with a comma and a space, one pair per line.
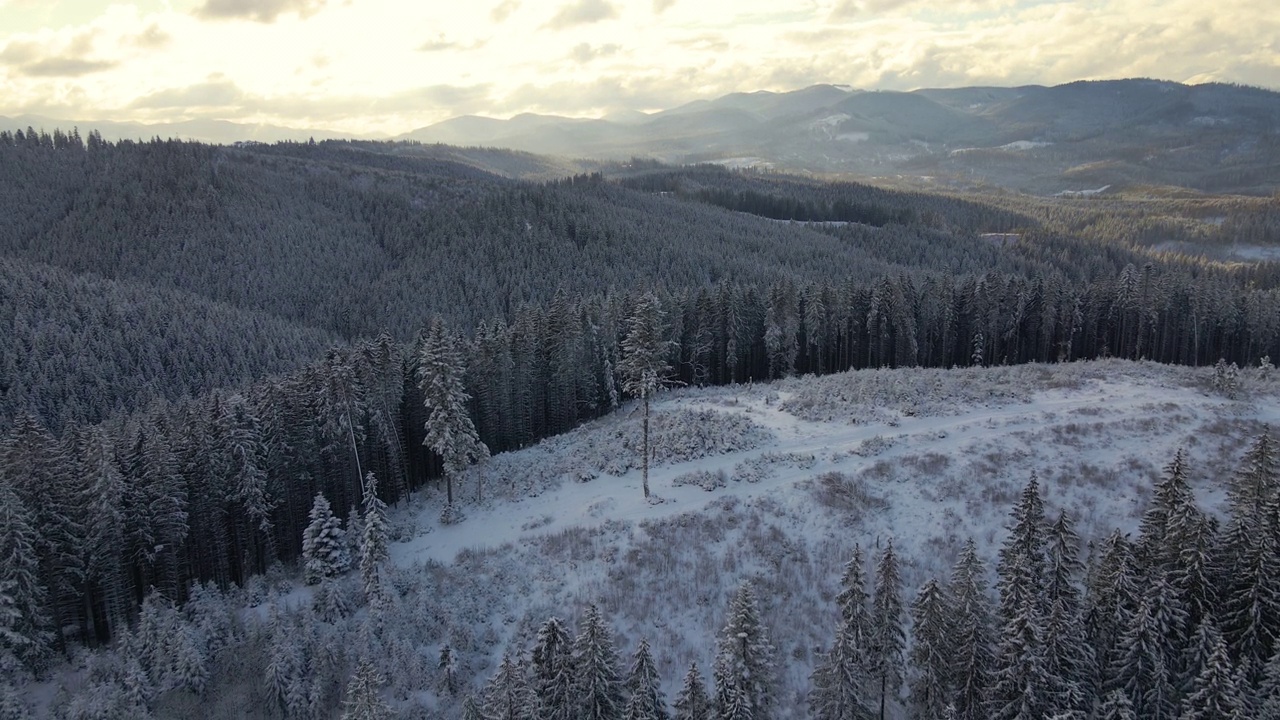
927, 458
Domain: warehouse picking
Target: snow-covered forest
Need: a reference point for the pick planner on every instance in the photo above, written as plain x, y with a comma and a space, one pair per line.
197, 464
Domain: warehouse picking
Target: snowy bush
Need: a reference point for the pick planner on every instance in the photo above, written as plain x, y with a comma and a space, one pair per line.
846, 494
705, 479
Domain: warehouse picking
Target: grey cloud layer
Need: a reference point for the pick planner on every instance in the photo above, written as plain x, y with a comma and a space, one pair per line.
582, 12
264, 11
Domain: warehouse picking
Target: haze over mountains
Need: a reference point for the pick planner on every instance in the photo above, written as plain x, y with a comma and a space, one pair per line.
1072, 137
1076, 137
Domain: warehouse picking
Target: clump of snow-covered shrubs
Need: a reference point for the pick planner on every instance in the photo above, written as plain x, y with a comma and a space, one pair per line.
705, 479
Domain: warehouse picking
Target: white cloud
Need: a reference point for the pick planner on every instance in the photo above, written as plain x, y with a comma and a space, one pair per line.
390, 66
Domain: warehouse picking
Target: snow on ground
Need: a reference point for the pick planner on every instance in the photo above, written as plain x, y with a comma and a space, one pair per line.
925, 458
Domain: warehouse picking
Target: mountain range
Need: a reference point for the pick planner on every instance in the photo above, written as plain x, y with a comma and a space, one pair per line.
1069, 138
1081, 137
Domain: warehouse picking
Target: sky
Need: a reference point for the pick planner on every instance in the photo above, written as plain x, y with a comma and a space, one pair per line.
384, 67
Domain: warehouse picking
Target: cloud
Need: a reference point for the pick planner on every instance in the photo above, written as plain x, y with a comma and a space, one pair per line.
65, 67
28, 58
660, 6
152, 38
503, 10
582, 12
263, 11
19, 53
216, 93
584, 53
857, 9
441, 43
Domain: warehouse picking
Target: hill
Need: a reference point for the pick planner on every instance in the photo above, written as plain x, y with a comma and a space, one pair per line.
1042, 140
773, 483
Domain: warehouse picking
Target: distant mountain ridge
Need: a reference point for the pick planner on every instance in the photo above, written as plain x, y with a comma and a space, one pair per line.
1210, 137
1045, 140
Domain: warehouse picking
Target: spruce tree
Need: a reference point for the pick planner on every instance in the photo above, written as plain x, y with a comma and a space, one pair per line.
189, 668
645, 686
508, 695
1267, 702
744, 669
1068, 661
471, 709
374, 550
25, 632
971, 647
450, 432
853, 603
1215, 695
1139, 668
1251, 602
1020, 687
1111, 599
885, 664
324, 544
1254, 487
644, 366
692, 702
448, 667
364, 700
1116, 706
553, 671
838, 682
930, 626
597, 686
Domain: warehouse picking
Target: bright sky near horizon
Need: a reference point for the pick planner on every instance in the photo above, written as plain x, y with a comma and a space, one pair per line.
389, 66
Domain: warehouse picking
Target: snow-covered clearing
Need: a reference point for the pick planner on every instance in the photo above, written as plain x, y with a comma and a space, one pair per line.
800, 471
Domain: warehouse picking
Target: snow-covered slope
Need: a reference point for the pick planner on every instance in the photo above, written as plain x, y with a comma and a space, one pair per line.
778, 482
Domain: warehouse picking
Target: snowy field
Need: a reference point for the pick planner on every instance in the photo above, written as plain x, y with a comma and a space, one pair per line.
778, 482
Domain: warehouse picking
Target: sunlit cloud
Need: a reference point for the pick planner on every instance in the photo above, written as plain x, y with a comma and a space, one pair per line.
385, 66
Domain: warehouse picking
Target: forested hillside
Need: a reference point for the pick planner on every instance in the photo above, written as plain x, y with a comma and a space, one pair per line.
207, 338
79, 348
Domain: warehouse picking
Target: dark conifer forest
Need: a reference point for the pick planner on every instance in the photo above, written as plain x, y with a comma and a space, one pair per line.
201, 341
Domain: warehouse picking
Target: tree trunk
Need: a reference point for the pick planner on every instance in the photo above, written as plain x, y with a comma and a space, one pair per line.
448, 486
645, 462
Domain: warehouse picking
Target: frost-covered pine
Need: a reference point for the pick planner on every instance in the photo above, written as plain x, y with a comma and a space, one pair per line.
644, 365
285, 664
374, 551
1226, 378
25, 628
12, 707
1268, 697
597, 685
189, 668
692, 702
1116, 706
887, 644
1215, 695
1139, 669
838, 683
638, 709
929, 658
645, 686
1019, 688
364, 700
745, 669
971, 642
1250, 618
553, 671
471, 709
1068, 659
450, 431
852, 601
508, 695
330, 601
324, 544
448, 667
